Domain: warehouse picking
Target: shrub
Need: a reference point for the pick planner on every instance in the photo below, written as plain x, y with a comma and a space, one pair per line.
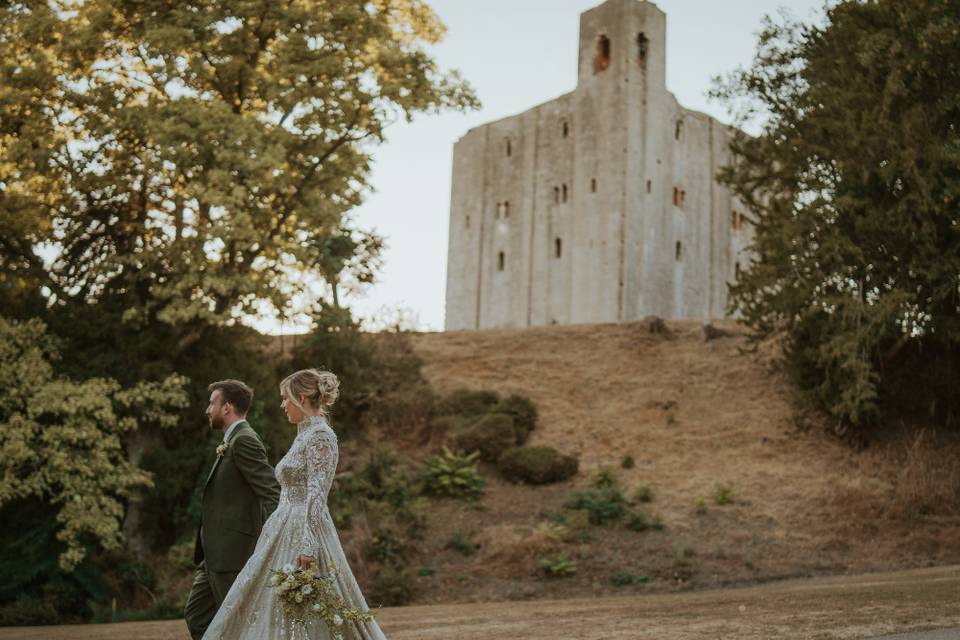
628, 579
605, 478
627, 462
452, 475
491, 435
560, 567
644, 493
460, 543
523, 412
465, 402
447, 425
643, 520
723, 494
392, 586
536, 465
601, 505
28, 610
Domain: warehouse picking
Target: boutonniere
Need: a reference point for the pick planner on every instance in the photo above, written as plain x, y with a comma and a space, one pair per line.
221, 450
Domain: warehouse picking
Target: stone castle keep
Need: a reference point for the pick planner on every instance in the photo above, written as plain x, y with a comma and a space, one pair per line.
600, 205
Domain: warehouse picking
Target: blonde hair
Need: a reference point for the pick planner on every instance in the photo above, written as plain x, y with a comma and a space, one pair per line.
320, 389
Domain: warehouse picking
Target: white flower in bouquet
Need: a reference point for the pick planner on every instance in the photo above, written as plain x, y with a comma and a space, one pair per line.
337, 620
274, 580
316, 606
306, 589
288, 568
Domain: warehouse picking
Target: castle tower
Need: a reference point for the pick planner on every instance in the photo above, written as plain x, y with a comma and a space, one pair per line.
600, 205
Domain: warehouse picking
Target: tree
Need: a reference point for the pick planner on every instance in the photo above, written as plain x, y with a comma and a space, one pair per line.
60, 439
192, 157
854, 185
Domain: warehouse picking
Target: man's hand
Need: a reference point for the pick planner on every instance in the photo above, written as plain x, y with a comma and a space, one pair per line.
304, 562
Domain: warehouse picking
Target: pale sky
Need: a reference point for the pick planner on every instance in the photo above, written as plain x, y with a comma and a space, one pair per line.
517, 54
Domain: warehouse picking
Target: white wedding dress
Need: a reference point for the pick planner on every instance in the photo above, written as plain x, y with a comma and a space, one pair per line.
301, 525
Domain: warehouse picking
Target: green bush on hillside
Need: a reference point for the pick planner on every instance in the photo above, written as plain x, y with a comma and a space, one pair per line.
491, 435
537, 465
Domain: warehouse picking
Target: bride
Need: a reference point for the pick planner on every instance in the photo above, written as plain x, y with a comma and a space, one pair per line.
300, 531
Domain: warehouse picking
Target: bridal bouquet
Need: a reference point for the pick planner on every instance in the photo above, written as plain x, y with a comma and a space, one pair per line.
307, 592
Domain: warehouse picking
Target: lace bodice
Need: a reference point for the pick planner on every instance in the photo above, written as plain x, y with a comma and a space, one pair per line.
305, 475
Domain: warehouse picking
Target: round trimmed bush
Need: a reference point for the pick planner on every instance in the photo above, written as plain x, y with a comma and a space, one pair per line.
523, 412
537, 465
465, 402
491, 435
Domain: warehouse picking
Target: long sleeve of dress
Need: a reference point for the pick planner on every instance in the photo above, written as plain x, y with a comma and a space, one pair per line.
321, 465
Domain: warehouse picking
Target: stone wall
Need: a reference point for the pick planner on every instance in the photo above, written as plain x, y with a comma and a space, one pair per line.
599, 205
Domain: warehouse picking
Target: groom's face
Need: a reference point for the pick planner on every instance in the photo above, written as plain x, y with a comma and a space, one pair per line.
215, 411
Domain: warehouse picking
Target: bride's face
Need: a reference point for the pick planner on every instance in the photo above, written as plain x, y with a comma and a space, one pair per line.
294, 414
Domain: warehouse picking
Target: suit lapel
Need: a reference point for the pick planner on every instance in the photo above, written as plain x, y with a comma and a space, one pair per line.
233, 434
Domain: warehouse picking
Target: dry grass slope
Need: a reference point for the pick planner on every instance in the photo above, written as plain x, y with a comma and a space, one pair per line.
695, 416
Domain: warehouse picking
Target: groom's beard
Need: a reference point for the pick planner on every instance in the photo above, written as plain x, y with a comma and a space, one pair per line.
216, 422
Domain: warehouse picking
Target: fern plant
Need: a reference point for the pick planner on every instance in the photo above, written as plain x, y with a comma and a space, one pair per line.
453, 475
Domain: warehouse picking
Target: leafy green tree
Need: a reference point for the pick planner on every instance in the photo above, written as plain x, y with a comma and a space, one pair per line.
194, 157
854, 185
60, 439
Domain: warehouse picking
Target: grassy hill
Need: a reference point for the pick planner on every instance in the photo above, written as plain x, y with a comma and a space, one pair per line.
704, 423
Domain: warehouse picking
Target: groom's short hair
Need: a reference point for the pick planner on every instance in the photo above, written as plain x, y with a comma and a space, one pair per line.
236, 392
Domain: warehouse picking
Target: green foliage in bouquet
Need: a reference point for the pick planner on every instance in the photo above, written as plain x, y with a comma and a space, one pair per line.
306, 593
452, 475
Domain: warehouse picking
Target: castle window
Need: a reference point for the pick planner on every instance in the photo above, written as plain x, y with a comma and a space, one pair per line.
649, 185
556, 195
602, 58
736, 271
642, 45
501, 261
678, 129
566, 129
564, 193
557, 248
506, 209
593, 185
679, 196
679, 250
509, 147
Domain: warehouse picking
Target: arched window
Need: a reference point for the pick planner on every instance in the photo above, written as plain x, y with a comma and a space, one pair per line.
509, 147
557, 248
564, 193
593, 185
678, 129
501, 261
556, 195
649, 185
602, 58
679, 250
565, 127
506, 209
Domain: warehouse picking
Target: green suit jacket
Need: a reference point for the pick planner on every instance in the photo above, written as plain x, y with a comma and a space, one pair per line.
240, 494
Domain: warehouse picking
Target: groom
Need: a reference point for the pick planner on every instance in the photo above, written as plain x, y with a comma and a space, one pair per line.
240, 493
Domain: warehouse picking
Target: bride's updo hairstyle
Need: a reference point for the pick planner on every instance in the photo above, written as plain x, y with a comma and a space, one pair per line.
319, 388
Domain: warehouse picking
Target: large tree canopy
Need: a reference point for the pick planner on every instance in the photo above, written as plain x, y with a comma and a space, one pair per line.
854, 181
193, 158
